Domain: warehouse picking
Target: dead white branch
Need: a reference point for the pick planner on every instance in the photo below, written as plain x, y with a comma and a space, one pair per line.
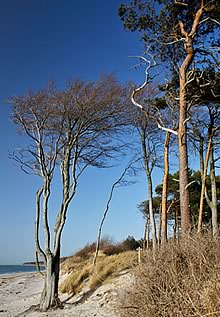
190, 184
181, 3
149, 64
167, 129
210, 19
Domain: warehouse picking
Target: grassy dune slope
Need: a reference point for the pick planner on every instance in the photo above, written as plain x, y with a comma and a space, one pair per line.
81, 271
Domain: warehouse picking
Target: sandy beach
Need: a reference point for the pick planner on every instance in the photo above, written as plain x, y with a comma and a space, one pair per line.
18, 292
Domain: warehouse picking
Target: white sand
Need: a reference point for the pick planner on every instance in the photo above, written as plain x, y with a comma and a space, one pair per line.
19, 292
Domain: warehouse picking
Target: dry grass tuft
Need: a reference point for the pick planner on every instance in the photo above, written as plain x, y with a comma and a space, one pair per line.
180, 280
107, 268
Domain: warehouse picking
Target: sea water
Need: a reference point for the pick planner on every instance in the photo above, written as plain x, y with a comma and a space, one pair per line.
10, 269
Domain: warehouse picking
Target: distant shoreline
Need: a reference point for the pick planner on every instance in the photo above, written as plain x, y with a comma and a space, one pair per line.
32, 264
11, 269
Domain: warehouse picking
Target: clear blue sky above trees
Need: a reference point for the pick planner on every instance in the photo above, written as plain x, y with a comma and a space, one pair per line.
60, 40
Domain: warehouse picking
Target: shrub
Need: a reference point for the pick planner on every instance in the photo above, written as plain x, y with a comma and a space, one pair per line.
108, 247
180, 280
131, 244
90, 248
86, 251
112, 249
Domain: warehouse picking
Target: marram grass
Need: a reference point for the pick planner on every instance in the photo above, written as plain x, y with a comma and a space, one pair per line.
106, 269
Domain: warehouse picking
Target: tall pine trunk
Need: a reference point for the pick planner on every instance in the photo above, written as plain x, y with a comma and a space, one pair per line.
182, 143
182, 133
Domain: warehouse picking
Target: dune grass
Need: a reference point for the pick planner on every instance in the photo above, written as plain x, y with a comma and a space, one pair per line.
180, 280
83, 272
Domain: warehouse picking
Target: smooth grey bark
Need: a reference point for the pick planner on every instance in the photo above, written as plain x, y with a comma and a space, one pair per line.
176, 226
213, 202
145, 234
150, 191
148, 232
165, 189
215, 228
203, 168
203, 177
159, 227
51, 254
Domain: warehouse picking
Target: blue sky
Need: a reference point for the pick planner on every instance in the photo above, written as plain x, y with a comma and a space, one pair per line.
60, 40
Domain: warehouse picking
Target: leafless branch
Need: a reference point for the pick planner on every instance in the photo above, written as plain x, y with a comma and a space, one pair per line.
210, 19
181, 3
190, 184
149, 64
167, 129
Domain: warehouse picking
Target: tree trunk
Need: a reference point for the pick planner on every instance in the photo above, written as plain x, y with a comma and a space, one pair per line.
204, 175
165, 189
201, 152
150, 191
49, 297
159, 228
215, 229
182, 143
145, 234
151, 212
176, 226
182, 133
203, 167
148, 232
57, 268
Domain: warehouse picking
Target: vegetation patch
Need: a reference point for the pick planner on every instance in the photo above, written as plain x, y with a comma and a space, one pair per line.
180, 280
82, 271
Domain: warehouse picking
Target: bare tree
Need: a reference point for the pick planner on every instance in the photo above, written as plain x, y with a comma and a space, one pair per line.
119, 182
68, 130
205, 97
206, 135
161, 112
150, 139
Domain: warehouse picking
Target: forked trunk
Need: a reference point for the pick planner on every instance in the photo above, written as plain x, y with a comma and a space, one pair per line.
204, 175
49, 297
182, 133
